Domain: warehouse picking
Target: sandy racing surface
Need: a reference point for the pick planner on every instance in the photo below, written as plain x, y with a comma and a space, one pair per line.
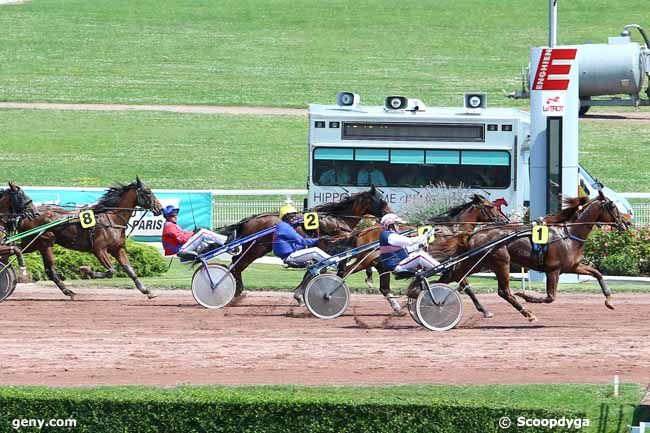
111, 336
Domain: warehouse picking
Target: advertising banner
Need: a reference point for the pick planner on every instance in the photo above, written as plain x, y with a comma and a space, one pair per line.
195, 207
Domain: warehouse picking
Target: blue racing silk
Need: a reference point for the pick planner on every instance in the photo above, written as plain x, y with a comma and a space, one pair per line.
286, 241
390, 255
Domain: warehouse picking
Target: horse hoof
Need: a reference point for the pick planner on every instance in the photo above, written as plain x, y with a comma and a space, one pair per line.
70, 294
397, 308
299, 298
85, 269
488, 315
532, 318
151, 295
609, 305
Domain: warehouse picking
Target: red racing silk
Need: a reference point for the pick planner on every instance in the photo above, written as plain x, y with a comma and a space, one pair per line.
173, 238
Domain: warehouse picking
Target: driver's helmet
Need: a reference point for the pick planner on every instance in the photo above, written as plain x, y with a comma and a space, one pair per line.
389, 219
287, 209
170, 210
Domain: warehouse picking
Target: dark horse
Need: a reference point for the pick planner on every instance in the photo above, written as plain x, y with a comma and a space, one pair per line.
107, 238
335, 218
459, 218
569, 230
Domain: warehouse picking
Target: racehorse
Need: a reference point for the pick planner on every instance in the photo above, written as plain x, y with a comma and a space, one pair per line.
334, 219
568, 232
459, 218
107, 238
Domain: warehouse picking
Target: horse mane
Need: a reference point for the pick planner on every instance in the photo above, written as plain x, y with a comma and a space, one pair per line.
113, 195
571, 206
452, 212
339, 206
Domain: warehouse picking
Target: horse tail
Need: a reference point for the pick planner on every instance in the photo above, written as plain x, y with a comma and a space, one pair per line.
450, 247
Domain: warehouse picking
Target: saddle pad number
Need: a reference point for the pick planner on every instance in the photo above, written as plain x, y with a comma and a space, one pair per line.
310, 221
425, 230
540, 235
87, 219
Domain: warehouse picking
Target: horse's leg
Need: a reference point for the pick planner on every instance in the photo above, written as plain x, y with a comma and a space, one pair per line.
465, 287
242, 262
384, 288
123, 259
48, 263
583, 269
552, 278
369, 277
105, 260
501, 267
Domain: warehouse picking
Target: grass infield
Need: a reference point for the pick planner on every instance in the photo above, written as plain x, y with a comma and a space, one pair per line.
195, 151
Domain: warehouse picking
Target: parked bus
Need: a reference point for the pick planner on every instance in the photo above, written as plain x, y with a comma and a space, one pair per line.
403, 146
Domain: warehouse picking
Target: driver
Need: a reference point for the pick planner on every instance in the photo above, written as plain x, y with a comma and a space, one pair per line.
395, 249
176, 240
289, 245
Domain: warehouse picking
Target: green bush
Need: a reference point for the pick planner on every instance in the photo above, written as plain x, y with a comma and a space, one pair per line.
620, 264
145, 260
257, 409
620, 252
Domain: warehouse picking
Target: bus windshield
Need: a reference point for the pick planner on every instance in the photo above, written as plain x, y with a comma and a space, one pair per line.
347, 166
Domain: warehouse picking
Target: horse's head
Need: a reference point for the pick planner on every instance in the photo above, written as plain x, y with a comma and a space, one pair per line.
606, 212
16, 202
371, 202
146, 198
478, 209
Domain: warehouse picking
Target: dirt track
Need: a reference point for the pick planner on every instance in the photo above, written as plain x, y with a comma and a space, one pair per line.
119, 337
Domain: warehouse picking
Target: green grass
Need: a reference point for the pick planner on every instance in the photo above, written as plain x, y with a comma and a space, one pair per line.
282, 52
170, 150
276, 277
167, 150
605, 413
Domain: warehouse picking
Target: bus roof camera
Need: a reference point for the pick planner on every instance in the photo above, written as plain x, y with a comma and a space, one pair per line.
474, 102
395, 102
347, 99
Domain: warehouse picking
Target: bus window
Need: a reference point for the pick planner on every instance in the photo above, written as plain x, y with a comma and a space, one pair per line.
410, 167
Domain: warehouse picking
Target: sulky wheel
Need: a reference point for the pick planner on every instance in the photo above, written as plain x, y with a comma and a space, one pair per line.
215, 290
327, 296
441, 312
7, 280
410, 305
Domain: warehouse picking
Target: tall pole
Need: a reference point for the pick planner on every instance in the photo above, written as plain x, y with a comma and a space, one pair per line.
552, 23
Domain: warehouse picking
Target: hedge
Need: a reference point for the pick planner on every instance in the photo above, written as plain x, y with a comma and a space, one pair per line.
257, 409
620, 252
145, 259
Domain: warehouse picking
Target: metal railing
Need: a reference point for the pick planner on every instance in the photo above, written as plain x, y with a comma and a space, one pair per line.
231, 206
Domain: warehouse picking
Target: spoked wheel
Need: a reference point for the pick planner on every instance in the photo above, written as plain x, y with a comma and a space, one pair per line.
8, 280
441, 312
410, 305
411, 292
217, 296
327, 296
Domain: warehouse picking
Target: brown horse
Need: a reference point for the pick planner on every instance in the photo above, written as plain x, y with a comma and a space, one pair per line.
335, 218
569, 231
107, 238
459, 218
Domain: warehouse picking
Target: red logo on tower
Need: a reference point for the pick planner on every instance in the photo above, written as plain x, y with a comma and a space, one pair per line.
552, 78
553, 69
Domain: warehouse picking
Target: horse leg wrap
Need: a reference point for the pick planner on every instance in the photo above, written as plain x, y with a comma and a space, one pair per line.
54, 276
131, 273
